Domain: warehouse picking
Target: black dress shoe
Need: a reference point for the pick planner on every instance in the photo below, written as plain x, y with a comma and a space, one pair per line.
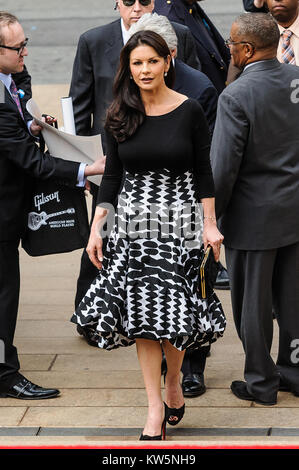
88, 335
283, 387
193, 385
222, 280
239, 389
26, 390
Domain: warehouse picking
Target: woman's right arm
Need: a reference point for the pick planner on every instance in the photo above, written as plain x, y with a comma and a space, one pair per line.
95, 243
107, 195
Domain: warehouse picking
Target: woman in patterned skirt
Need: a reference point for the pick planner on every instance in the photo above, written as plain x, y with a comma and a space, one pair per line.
158, 170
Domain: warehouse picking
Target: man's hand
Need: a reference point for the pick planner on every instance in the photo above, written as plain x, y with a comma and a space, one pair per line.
35, 128
97, 168
259, 3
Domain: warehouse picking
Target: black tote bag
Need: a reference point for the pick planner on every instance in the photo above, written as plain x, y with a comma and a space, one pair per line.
57, 220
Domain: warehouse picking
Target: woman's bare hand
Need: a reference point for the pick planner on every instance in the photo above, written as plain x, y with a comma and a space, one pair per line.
95, 247
212, 236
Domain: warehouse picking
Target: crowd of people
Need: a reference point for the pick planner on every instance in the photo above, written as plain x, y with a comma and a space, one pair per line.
201, 148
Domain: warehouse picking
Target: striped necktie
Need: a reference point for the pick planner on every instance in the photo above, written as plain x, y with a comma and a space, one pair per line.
15, 95
288, 56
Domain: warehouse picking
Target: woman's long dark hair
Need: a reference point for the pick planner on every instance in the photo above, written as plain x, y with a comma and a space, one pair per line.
127, 112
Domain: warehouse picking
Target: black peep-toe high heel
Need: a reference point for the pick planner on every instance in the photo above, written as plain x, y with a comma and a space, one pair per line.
160, 437
174, 412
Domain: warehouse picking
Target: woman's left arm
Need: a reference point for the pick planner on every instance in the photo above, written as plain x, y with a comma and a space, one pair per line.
211, 234
203, 178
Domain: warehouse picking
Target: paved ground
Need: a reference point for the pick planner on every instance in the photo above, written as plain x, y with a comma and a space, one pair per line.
103, 398
102, 395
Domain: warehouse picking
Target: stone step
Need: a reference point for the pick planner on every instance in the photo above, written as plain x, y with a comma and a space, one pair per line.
134, 416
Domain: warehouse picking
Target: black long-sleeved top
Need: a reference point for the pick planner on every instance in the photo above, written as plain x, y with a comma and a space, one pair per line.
178, 141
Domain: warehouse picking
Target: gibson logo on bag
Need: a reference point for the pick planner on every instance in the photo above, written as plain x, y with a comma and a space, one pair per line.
41, 199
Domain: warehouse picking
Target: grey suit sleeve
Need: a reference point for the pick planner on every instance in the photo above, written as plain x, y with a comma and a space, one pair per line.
82, 89
227, 149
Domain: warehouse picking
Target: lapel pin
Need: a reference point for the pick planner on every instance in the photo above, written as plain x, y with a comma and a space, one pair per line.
21, 93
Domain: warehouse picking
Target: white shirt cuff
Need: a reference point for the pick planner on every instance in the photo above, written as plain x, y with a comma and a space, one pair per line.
29, 125
81, 177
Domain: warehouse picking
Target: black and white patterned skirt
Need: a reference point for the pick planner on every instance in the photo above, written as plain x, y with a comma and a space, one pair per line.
147, 287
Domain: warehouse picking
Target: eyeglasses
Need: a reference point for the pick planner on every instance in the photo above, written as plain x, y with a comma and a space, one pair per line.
18, 49
129, 3
230, 42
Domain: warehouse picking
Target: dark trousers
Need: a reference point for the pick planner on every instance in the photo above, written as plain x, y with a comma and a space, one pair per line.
260, 279
195, 361
9, 301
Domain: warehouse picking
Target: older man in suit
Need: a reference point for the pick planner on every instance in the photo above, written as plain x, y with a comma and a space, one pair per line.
95, 67
255, 160
20, 159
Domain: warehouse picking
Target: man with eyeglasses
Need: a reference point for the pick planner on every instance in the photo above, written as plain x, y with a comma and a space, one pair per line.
22, 80
255, 162
20, 161
95, 67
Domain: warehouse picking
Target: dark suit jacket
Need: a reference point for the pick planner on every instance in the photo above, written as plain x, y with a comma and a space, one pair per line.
255, 158
23, 81
21, 159
213, 64
249, 6
95, 67
197, 85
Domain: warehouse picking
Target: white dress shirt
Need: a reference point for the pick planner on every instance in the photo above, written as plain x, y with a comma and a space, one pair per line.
124, 32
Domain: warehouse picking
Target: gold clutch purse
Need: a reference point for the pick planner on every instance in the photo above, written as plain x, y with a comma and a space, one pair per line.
208, 273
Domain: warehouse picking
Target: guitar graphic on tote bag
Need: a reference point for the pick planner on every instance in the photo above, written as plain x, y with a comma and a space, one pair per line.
35, 220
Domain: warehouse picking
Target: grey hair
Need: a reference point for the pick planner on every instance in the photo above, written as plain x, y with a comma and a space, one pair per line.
160, 25
6, 19
259, 28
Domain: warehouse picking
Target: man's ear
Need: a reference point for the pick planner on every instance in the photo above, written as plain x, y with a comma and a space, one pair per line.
249, 50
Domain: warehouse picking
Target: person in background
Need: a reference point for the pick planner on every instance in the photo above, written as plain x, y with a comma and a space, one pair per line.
286, 13
210, 45
255, 165
20, 159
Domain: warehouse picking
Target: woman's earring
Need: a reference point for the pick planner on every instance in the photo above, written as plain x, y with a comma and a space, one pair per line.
165, 74
131, 78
